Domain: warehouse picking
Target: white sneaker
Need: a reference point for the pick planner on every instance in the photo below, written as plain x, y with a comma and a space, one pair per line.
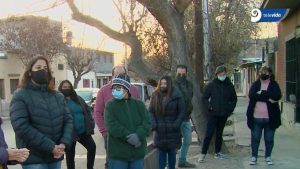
220, 156
201, 158
253, 161
269, 161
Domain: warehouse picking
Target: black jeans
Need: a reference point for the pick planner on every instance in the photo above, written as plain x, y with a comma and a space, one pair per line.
88, 142
214, 124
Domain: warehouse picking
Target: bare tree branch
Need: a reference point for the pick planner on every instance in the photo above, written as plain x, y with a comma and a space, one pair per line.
80, 17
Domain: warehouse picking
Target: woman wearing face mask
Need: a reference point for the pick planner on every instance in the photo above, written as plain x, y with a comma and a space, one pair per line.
83, 125
39, 117
128, 124
263, 113
167, 110
220, 99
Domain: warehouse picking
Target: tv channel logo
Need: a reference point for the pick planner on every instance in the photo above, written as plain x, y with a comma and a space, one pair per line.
268, 14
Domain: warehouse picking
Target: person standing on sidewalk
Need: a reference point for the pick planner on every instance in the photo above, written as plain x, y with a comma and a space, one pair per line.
10, 155
128, 124
263, 113
167, 110
220, 99
39, 117
103, 96
186, 89
83, 125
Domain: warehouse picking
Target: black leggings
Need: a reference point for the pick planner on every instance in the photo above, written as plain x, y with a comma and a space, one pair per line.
214, 125
88, 142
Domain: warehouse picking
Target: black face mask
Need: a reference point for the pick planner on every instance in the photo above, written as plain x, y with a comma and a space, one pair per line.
264, 77
40, 76
163, 89
66, 92
181, 77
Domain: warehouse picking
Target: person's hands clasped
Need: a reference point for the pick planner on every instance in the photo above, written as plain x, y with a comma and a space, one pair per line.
58, 151
19, 155
134, 140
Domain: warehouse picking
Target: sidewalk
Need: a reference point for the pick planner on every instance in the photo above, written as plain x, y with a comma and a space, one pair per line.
286, 151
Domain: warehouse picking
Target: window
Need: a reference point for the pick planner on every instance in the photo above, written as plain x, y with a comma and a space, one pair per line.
2, 91
111, 59
13, 85
291, 69
86, 83
60, 67
105, 59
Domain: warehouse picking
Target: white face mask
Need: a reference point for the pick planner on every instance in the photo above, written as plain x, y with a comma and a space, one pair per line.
222, 78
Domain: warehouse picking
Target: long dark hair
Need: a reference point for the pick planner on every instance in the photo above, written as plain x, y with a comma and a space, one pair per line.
26, 78
73, 95
157, 96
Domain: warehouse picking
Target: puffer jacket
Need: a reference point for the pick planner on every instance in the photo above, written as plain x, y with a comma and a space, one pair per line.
40, 120
88, 119
166, 127
220, 98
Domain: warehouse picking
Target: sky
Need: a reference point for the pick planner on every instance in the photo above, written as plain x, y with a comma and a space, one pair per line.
91, 37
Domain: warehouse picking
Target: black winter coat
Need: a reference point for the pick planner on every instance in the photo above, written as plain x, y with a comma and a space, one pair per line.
220, 98
40, 120
273, 92
166, 127
186, 89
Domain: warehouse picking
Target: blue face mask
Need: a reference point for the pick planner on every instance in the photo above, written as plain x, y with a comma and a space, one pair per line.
118, 93
221, 78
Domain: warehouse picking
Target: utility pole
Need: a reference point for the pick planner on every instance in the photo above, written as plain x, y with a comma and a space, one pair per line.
208, 67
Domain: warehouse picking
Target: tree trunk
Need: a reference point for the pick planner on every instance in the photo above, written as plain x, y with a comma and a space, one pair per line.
76, 81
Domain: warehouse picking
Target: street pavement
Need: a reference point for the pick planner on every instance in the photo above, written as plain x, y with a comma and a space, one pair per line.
286, 152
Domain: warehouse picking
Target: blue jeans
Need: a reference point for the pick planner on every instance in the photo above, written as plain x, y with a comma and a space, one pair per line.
162, 158
259, 125
214, 124
186, 131
54, 165
120, 164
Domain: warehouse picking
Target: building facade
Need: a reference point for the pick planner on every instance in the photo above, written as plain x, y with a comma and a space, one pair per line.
287, 60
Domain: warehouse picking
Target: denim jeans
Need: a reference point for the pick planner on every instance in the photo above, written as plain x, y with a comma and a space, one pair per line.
162, 158
214, 124
54, 165
259, 125
105, 146
186, 131
120, 164
88, 142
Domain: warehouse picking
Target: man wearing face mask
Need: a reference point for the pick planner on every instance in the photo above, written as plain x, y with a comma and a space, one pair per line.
103, 96
186, 89
220, 99
128, 124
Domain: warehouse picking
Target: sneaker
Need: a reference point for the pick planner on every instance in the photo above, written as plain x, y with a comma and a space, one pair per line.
186, 164
201, 158
269, 161
253, 161
220, 156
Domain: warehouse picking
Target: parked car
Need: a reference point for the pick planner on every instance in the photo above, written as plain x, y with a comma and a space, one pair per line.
88, 94
145, 91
